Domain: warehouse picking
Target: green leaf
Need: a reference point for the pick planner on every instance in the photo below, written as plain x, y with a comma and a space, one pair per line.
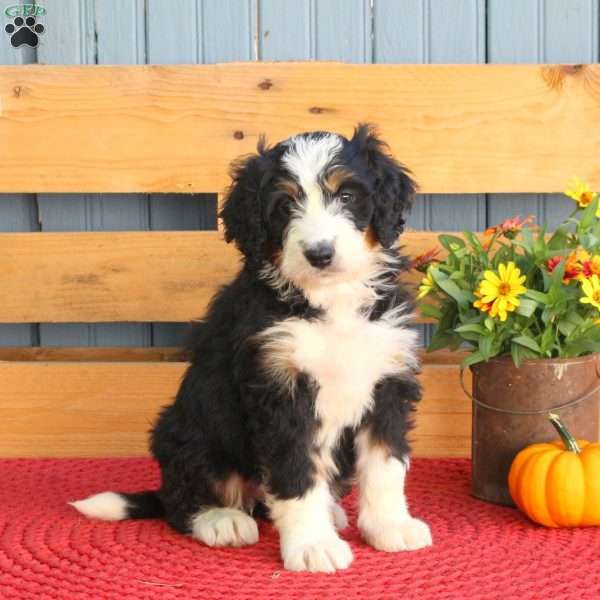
485, 347
527, 342
448, 286
428, 310
440, 340
473, 358
527, 242
515, 352
473, 240
449, 240
526, 307
489, 323
547, 340
581, 346
589, 216
473, 328
565, 326
539, 297
559, 239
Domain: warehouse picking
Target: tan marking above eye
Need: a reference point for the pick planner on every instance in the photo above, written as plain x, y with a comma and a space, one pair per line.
289, 187
335, 178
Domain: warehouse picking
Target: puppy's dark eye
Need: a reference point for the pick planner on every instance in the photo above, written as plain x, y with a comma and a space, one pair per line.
286, 203
346, 196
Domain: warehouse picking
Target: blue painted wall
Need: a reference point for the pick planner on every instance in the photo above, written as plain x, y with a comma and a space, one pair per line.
207, 31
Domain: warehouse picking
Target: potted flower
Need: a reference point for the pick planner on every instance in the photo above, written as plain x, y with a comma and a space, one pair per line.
526, 306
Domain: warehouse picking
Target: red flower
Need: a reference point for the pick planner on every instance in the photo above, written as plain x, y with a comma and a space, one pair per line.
421, 262
553, 263
509, 227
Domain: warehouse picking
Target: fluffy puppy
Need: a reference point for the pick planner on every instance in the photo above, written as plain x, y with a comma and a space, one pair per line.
302, 375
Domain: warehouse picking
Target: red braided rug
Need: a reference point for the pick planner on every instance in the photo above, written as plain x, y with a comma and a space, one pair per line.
481, 550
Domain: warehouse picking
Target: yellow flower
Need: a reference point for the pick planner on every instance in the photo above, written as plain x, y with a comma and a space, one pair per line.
580, 192
502, 290
591, 289
427, 284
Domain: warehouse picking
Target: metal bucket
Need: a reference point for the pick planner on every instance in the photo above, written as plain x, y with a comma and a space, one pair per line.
510, 412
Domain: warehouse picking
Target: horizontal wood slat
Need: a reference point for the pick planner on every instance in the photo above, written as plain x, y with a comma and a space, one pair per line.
154, 354
460, 128
56, 409
132, 276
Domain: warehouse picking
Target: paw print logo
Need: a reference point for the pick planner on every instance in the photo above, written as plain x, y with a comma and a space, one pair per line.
24, 31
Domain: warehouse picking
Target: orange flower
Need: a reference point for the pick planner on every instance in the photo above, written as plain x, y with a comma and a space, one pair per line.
421, 262
578, 267
482, 306
595, 265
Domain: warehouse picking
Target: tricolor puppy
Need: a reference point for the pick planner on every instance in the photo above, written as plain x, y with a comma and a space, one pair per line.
302, 378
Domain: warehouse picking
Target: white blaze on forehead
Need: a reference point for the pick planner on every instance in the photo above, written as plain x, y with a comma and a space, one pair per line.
307, 157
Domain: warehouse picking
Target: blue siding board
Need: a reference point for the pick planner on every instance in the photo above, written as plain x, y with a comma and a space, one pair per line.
229, 30
172, 33
343, 31
286, 29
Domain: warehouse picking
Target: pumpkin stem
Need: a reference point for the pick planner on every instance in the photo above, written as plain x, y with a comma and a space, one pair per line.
565, 435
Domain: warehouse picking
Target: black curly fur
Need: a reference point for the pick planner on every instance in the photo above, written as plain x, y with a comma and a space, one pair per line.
229, 416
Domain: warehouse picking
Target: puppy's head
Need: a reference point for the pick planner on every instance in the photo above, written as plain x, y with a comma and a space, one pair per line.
319, 206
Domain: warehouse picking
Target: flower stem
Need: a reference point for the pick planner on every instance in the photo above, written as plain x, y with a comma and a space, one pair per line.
565, 435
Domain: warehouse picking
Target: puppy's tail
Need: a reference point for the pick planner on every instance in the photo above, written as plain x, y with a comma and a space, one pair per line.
112, 506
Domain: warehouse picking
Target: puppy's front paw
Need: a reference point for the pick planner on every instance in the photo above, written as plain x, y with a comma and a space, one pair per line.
225, 527
323, 556
340, 519
393, 536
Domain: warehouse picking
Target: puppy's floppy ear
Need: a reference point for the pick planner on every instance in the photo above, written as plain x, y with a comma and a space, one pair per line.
394, 188
242, 212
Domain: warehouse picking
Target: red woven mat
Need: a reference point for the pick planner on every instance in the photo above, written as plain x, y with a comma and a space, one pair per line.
480, 551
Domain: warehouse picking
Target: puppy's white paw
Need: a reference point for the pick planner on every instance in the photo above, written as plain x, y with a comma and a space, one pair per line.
393, 536
225, 527
340, 519
322, 556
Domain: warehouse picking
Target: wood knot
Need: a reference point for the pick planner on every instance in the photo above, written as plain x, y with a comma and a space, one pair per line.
238, 135
572, 69
554, 76
266, 84
17, 90
316, 110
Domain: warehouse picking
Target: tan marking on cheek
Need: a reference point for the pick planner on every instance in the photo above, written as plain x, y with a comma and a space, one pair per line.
371, 240
334, 179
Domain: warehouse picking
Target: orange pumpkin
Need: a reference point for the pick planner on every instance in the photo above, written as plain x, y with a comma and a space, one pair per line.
558, 484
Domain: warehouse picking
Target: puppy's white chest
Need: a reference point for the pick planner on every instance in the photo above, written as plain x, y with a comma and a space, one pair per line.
346, 355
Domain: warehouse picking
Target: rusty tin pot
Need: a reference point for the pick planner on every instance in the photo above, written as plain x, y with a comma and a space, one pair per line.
510, 412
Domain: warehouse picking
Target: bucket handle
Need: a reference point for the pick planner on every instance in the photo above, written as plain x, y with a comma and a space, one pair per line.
594, 389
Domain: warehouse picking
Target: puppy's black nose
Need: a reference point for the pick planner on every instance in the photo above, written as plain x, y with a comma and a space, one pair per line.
320, 255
